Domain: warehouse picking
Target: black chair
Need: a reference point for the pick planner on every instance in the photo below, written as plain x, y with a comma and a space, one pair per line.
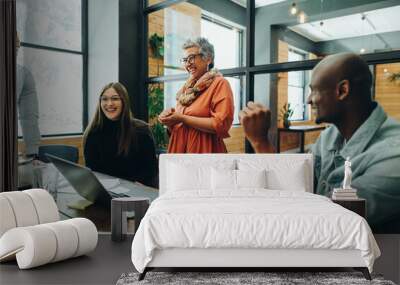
67, 152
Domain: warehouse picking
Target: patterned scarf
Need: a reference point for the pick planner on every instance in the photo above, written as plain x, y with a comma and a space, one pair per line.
193, 88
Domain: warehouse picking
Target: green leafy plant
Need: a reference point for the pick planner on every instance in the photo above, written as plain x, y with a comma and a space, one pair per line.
160, 136
156, 101
285, 114
394, 77
156, 95
155, 106
157, 45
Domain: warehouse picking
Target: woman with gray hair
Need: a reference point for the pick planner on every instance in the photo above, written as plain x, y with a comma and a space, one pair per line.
204, 105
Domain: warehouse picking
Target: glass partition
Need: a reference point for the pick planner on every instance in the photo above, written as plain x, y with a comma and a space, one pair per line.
58, 81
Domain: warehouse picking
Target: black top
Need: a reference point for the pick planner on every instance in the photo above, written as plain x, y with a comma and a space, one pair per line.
101, 153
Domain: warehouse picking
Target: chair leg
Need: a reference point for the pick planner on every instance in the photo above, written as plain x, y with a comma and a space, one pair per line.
143, 274
364, 271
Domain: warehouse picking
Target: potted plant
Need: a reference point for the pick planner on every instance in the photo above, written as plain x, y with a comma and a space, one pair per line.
285, 114
157, 45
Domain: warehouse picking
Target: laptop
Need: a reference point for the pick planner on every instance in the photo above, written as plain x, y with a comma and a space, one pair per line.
83, 180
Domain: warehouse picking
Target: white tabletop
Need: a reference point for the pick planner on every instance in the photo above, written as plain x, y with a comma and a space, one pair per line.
111, 183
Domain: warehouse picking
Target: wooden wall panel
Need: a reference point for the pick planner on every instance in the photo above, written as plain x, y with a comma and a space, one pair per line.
283, 54
388, 93
235, 143
74, 141
153, 2
155, 26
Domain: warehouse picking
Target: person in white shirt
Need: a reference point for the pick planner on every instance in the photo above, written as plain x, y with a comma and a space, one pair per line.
28, 108
28, 115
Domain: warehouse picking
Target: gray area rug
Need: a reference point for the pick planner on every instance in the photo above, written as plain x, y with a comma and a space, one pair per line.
232, 278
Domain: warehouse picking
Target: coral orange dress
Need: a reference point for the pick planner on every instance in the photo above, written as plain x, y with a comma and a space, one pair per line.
215, 102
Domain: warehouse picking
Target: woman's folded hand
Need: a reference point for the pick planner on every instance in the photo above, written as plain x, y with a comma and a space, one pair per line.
166, 113
169, 117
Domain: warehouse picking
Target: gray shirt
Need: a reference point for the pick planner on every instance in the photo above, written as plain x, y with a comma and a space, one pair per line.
374, 151
28, 109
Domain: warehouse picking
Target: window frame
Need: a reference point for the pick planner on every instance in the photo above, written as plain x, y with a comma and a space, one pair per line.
240, 33
249, 70
303, 85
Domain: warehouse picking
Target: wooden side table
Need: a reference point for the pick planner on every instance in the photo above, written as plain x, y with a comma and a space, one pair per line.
301, 130
358, 206
119, 207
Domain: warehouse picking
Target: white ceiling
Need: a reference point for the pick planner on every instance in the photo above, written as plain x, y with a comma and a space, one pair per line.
376, 22
259, 3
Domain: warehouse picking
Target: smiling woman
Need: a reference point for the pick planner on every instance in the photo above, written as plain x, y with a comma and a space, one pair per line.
204, 105
116, 143
111, 104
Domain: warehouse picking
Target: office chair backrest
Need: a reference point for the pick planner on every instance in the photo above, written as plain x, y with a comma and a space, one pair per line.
67, 152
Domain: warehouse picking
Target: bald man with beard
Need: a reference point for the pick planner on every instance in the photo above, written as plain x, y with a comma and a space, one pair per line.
360, 129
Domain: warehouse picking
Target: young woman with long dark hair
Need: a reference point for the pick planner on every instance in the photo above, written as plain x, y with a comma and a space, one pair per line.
116, 143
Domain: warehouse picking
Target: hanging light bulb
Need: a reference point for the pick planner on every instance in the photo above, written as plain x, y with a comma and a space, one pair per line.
362, 50
293, 9
362, 19
321, 23
302, 17
386, 73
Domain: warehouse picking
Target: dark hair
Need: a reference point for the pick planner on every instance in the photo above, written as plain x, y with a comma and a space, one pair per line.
126, 120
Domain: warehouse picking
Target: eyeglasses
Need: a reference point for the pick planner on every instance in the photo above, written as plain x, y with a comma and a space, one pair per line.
189, 59
114, 99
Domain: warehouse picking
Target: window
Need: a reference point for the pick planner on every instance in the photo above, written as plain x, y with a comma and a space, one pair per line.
223, 35
227, 41
255, 51
168, 28
325, 27
53, 50
296, 87
58, 81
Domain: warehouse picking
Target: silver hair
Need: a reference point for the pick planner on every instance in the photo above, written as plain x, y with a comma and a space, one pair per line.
205, 48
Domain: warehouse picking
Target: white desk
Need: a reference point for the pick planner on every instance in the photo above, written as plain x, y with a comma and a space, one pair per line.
67, 195
63, 186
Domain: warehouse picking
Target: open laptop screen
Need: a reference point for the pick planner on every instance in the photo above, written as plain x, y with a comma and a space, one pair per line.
82, 180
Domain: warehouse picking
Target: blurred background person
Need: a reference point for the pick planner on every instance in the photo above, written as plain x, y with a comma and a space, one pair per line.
28, 116
28, 108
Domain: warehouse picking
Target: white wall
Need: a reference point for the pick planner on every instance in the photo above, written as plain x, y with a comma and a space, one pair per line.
103, 47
